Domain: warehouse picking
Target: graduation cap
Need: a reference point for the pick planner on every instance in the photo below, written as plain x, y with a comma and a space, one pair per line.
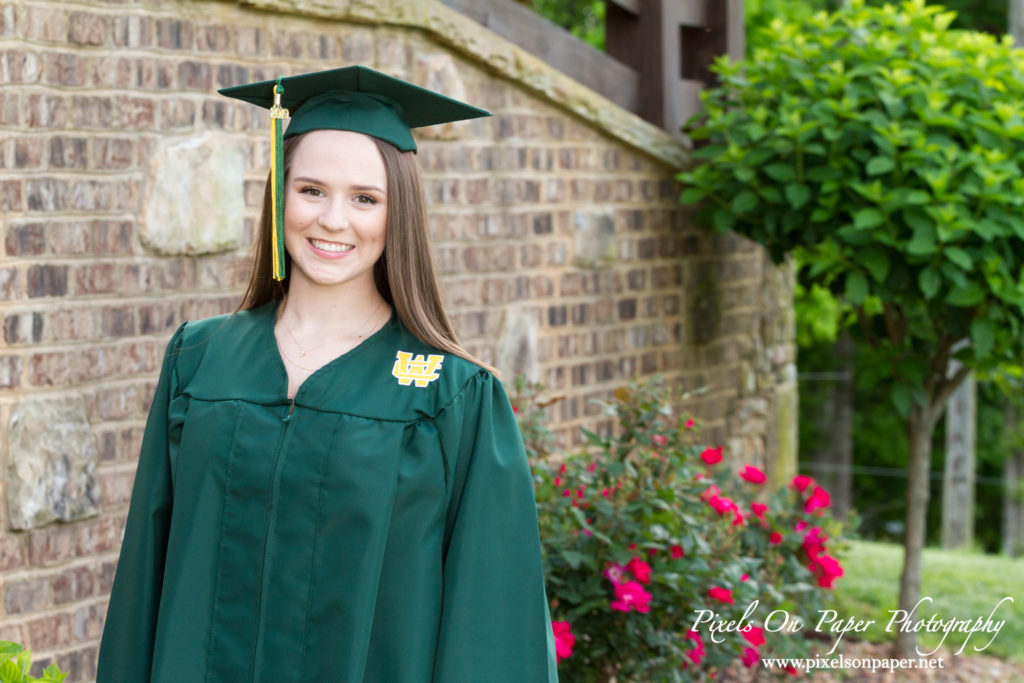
354, 98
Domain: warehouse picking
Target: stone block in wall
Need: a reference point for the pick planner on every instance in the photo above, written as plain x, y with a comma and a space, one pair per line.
195, 202
517, 344
593, 238
51, 463
437, 72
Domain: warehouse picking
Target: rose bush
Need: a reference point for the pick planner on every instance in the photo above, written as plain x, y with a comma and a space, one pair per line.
650, 540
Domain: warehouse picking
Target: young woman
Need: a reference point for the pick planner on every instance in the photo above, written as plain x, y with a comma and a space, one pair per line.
330, 488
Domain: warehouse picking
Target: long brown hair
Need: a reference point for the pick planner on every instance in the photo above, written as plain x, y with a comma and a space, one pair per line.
404, 274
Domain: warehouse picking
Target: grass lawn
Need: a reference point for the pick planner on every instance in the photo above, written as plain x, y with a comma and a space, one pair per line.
962, 585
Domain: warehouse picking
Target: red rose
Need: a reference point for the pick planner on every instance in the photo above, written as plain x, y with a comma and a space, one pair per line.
753, 475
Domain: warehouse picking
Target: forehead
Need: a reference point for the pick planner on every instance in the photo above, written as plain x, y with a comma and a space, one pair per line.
341, 150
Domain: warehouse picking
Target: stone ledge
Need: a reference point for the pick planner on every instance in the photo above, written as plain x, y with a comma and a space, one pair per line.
464, 35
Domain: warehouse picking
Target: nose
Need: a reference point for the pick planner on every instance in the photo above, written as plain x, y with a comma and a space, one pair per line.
334, 216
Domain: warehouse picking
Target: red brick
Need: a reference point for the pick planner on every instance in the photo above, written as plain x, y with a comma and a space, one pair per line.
135, 113
96, 278
73, 585
92, 195
174, 34
44, 23
48, 280
85, 28
65, 69
9, 283
8, 20
111, 71
28, 152
213, 39
98, 535
117, 488
177, 113
250, 41
287, 44
92, 363
111, 237
28, 595
70, 238
46, 111
11, 196
10, 109
107, 571
23, 328
12, 551
49, 632
22, 67
12, 632
156, 318
87, 623
71, 324
68, 152
155, 74
141, 357
51, 544
50, 369
193, 75
89, 111
132, 31
118, 403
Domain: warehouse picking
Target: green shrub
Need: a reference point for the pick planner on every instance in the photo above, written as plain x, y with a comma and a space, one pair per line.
15, 662
645, 529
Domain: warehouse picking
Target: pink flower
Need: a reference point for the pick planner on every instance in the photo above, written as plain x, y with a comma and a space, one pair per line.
712, 456
557, 482
697, 652
564, 639
745, 577
814, 542
659, 440
801, 482
641, 570
561, 469
515, 410
591, 467
567, 493
775, 538
818, 499
631, 595
721, 594
615, 573
604, 492
689, 423
676, 551
801, 525
827, 569
792, 670
753, 475
710, 492
759, 510
652, 551
721, 504
753, 635
750, 658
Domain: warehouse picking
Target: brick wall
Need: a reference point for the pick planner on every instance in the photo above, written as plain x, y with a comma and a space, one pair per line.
560, 244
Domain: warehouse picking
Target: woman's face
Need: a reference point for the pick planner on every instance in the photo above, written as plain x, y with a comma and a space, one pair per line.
335, 209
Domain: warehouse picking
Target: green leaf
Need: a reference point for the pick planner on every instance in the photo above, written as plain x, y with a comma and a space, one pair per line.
879, 165
692, 195
901, 399
983, 333
723, 220
9, 672
744, 202
797, 195
877, 263
959, 257
783, 173
856, 287
8, 649
868, 218
922, 243
970, 294
929, 282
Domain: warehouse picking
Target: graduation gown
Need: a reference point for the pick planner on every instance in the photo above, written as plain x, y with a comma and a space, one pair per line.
380, 526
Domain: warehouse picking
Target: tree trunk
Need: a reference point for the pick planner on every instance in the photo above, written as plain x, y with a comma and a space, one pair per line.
1013, 493
1015, 21
959, 475
921, 425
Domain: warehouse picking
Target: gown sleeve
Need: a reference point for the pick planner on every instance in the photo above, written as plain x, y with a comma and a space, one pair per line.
495, 623
126, 649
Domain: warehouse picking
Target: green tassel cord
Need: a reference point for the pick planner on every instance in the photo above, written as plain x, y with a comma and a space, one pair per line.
277, 116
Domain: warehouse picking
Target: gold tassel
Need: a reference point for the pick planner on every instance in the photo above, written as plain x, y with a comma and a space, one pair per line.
277, 116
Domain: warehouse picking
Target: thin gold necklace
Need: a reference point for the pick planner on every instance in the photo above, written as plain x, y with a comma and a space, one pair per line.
303, 352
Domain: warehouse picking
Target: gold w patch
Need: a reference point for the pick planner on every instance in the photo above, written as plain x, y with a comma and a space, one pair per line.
422, 371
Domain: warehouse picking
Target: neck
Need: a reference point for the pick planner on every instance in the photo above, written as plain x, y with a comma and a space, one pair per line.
314, 310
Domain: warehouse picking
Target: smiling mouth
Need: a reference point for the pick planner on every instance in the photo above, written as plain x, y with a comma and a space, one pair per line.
333, 247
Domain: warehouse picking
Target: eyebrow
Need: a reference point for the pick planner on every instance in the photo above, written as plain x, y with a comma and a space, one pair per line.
361, 188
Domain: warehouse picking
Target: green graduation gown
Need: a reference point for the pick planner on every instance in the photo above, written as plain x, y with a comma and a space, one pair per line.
380, 527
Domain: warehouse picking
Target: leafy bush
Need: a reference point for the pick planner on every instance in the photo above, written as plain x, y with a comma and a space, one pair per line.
646, 528
15, 662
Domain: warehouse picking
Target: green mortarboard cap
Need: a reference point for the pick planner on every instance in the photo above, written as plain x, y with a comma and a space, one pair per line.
359, 99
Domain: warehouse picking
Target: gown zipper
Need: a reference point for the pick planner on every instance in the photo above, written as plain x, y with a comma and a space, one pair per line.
264, 575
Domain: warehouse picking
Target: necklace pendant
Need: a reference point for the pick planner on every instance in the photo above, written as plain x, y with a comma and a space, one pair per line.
302, 354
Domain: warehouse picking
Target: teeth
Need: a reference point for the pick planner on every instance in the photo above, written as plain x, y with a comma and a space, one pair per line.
332, 246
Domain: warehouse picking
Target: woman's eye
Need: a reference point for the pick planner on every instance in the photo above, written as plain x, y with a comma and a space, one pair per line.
365, 199
314, 191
